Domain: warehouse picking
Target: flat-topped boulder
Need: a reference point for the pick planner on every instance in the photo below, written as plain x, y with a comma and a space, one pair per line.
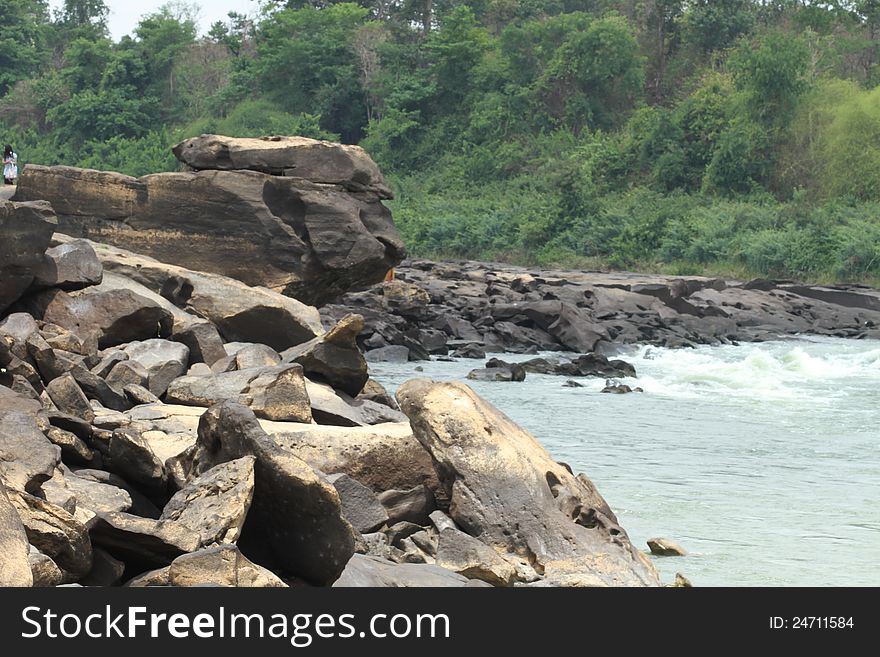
309, 240
299, 157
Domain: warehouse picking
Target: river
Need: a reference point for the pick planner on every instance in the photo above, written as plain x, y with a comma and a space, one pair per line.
761, 460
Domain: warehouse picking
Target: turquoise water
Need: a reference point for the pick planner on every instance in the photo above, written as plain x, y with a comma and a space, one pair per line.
761, 460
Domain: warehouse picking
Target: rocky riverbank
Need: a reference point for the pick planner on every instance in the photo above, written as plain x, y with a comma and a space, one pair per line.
167, 426
466, 309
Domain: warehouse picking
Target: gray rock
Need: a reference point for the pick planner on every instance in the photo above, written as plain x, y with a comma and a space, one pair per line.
441, 521
70, 266
45, 572
139, 395
215, 504
295, 512
127, 373
112, 317
223, 565
97, 496
203, 341
390, 354
94, 387
497, 374
104, 500
108, 361
132, 458
309, 159
473, 559
69, 397
334, 357
73, 450
164, 361
255, 355
274, 393
106, 570
359, 504
369, 571
142, 540
15, 568
666, 548
27, 457
413, 505
56, 533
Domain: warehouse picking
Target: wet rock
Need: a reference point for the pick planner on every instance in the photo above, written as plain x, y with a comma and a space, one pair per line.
616, 388
15, 568
681, 582
665, 548
598, 365
390, 354
215, 504
470, 350
498, 374
223, 565
572, 384
506, 491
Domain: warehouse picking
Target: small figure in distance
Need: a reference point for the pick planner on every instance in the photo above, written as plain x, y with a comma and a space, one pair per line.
10, 165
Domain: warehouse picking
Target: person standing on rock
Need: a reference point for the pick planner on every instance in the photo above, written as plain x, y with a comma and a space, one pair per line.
10, 165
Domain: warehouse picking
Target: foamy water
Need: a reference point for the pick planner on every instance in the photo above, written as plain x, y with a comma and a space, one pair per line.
763, 460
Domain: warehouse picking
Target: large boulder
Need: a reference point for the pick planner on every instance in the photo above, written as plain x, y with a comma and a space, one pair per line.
312, 241
25, 233
299, 157
113, 317
15, 567
507, 491
295, 512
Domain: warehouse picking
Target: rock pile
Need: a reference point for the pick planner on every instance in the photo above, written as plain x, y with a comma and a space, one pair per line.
162, 426
467, 309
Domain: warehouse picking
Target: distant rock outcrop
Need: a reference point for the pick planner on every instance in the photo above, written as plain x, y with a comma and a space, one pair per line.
299, 216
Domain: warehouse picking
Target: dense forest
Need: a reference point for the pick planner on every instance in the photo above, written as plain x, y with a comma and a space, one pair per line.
734, 137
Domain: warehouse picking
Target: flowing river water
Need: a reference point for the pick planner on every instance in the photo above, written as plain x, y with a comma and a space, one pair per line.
762, 460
